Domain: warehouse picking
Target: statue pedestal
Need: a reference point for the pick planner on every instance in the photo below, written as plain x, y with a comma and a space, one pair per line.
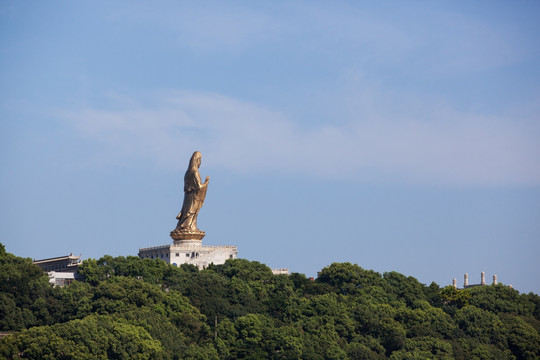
187, 237
188, 249
188, 243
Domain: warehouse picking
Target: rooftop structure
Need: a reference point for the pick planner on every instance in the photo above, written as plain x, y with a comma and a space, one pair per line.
69, 263
62, 270
466, 284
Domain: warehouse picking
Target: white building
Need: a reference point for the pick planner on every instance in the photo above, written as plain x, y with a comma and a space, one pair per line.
280, 271
190, 252
62, 270
62, 278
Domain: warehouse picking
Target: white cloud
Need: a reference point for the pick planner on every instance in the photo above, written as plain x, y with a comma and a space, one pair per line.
444, 146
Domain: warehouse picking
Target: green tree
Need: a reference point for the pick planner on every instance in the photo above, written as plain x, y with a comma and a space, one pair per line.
94, 337
484, 326
454, 298
426, 320
245, 270
208, 291
427, 348
22, 285
501, 299
404, 288
523, 339
346, 278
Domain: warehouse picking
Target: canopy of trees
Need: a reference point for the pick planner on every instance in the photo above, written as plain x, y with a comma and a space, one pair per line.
131, 308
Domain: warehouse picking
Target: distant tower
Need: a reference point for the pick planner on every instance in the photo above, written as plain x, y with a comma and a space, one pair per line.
494, 279
482, 278
454, 283
466, 280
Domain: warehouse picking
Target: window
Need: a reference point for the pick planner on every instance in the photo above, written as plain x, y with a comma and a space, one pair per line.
187, 255
177, 254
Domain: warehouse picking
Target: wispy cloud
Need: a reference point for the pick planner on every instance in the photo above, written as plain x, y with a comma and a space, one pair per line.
206, 28
455, 41
438, 145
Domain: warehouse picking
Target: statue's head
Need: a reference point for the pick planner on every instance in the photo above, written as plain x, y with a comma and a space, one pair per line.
195, 160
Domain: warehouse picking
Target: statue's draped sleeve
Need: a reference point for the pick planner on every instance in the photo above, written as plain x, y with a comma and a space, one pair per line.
192, 181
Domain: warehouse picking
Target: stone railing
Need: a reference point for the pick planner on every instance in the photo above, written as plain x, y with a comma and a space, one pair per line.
161, 247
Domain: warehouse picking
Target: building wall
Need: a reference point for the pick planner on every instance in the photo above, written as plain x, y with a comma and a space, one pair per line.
61, 278
280, 271
198, 255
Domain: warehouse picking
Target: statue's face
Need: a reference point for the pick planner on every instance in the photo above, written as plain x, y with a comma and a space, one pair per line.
198, 162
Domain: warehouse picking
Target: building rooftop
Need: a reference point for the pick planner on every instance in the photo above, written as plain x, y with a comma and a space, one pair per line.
59, 258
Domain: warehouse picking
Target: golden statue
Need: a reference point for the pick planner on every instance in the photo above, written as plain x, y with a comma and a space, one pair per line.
194, 194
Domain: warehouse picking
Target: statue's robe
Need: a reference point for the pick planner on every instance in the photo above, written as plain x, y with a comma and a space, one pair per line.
194, 194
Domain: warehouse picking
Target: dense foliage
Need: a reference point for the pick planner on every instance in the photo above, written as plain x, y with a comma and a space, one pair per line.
131, 308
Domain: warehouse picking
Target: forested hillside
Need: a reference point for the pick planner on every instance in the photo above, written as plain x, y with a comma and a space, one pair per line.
128, 308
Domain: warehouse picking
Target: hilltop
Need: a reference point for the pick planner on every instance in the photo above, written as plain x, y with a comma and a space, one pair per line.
128, 307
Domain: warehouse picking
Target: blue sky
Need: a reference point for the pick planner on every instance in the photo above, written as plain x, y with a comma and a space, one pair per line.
396, 135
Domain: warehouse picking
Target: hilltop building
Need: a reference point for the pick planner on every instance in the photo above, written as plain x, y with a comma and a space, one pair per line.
62, 270
190, 252
280, 271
